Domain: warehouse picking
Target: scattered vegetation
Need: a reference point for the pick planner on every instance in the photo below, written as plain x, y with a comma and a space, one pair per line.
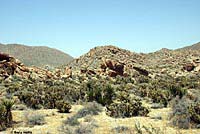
73, 126
185, 113
32, 118
101, 93
91, 108
141, 129
122, 129
126, 106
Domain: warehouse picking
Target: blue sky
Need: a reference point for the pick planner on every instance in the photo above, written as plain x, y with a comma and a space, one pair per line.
75, 26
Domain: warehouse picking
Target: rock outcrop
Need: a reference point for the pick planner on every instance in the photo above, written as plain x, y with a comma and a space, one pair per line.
106, 60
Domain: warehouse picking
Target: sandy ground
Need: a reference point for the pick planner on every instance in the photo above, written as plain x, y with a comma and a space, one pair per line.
105, 123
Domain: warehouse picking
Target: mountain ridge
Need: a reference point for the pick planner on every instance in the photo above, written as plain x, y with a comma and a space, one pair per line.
36, 55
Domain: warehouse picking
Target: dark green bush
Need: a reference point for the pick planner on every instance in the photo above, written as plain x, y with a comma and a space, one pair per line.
99, 92
126, 106
194, 111
63, 106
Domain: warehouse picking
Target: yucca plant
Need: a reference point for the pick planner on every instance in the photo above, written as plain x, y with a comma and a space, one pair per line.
8, 115
2, 118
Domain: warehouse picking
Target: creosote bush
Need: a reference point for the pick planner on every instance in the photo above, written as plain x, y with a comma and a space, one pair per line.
63, 106
126, 106
194, 111
99, 92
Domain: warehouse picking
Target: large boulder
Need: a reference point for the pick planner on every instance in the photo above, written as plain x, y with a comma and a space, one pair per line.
5, 57
68, 71
115, 68
119, 68
112, 73
189, 67
110, 64
141, 71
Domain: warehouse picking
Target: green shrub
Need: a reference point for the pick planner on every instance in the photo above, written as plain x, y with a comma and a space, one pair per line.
194, 111
126, 106
63, 106
177, 90
101, 93
159, 96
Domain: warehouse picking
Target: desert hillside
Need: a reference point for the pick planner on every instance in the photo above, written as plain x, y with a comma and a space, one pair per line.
36, 55
107, 90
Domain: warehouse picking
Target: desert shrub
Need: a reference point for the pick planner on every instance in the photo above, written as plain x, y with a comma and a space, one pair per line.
73, 126
72, 121
142, 79
180, 115
84, 128
101, 93
159, 96
123, 80
185, 113
177, 90
138, 128
39, 95
121, 129
87, 128
65, 129
33, 118
91, 108
162, 89
142, 129
63, 106
2, 118
126, 106
194, 110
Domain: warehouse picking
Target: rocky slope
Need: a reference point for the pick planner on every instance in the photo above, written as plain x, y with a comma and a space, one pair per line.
37, 55
127, 84
109, 61
113, 61
192, 47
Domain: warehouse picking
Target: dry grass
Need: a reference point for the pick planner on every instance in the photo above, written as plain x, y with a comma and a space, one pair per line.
106, 124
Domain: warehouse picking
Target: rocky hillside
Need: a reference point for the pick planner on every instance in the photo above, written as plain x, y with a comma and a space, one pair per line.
192, 47
37, 55
125, 83
109, 61
113, 61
